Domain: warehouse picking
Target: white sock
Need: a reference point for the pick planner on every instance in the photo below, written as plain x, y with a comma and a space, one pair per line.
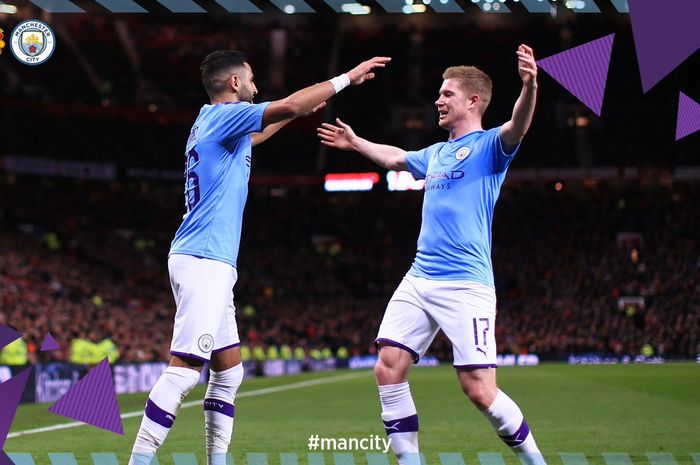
400, 421
161, 408
218, 412
510, 425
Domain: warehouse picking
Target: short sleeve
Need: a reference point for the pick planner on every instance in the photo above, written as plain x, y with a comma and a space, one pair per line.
239, 119
501, 159
417, 163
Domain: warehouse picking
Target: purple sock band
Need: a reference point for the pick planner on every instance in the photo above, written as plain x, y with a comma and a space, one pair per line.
159, 415
402, 425
514, 440
220, 406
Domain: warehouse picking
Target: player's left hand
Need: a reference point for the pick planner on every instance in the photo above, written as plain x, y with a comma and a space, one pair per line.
364, 71
527, 67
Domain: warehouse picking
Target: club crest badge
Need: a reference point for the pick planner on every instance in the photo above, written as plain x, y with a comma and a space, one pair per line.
32, 42
206, 343
462, 153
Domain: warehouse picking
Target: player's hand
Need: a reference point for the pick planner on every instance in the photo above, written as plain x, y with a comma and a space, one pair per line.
363, 71
341, 137
527, 67
315, 109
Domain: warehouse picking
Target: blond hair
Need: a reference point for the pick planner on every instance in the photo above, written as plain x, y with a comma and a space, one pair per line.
472, 81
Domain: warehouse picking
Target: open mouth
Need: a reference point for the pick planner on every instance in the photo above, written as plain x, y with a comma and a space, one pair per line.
442, 114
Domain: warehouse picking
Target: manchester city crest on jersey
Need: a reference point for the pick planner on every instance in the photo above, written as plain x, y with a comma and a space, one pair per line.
206, 343
462, 153
32, 42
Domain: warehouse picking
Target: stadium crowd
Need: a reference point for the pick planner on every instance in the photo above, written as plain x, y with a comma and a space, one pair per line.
87, 259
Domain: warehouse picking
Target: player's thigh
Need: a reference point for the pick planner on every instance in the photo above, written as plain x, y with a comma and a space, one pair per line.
466, 312
405, 324
203, 295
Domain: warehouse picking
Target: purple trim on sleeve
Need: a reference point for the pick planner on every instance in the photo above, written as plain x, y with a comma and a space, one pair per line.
402, 425
159, 415
382, 340
517, 438
475, 366
184, 355
216, 351
220, 406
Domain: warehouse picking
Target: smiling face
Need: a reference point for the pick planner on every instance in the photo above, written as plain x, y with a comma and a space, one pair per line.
454, 105
464, 96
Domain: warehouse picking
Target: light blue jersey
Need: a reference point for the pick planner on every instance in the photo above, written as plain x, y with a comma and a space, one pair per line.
218, 159
463, 178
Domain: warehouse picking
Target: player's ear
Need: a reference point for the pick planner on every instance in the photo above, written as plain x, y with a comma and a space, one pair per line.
235, 81
474, 101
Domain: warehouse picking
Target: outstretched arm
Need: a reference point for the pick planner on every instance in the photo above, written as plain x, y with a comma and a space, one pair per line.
513, 131
306, 99
270, 130
344, 138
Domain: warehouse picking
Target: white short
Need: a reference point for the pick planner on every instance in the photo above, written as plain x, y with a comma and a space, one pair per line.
205, 322
464, 310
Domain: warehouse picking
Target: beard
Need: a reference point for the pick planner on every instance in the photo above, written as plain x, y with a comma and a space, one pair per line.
246, 95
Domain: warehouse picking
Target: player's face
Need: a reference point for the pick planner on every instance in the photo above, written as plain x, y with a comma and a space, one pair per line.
452, 104
247, 90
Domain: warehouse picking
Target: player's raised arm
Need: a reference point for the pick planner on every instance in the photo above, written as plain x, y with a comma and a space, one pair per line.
306, 99
260, 137
344, 138
513, 131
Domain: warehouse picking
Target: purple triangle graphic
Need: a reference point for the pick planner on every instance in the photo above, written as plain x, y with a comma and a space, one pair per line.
5, 459
665, 34
10, 395
49, 344
8, 335
688, 120
92, 400
583, 70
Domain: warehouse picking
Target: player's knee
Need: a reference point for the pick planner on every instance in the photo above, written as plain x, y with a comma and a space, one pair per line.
480, 394
391, 366
381, 371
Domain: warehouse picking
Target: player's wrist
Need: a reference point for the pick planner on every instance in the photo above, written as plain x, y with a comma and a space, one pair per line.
340, 82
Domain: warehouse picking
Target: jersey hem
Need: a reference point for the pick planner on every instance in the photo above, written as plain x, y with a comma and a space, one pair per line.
200, 254
452, 278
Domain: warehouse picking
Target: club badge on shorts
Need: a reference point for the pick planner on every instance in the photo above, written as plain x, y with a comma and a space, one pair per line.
462, 153
206, 343
32, 42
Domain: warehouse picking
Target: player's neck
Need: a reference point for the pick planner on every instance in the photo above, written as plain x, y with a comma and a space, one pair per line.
465, 128
225, 98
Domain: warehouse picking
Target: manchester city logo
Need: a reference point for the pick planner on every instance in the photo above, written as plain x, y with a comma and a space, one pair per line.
206, 343
462, 153
32, 42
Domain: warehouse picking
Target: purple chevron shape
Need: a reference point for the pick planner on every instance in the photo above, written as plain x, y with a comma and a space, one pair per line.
583, 70
92, 400
688, 120
665, 34
8, 335
49, 344
10, 395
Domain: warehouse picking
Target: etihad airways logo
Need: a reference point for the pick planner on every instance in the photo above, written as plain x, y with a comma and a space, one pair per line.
442, 180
